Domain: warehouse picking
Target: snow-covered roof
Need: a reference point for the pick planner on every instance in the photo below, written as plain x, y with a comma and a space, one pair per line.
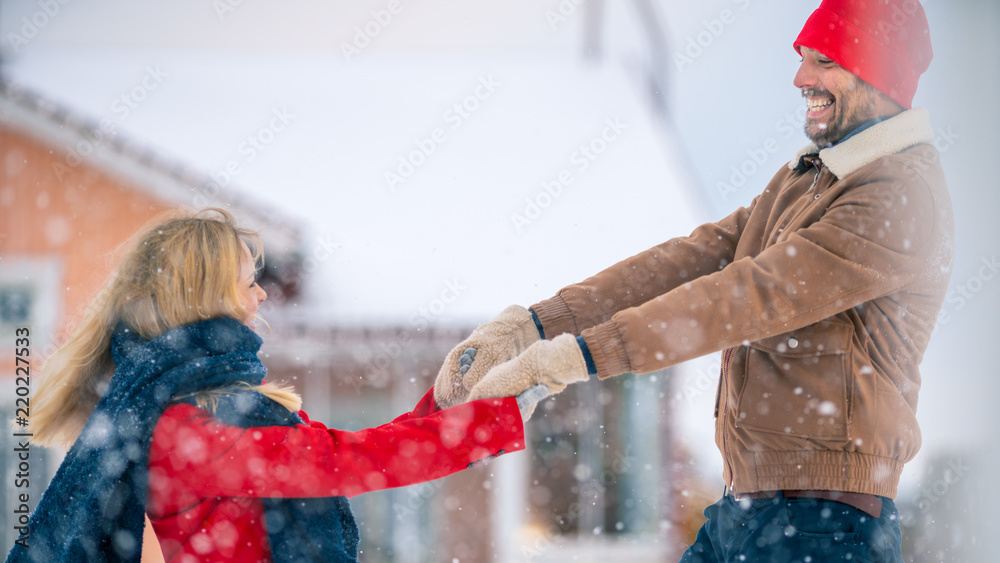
450, 186
97, 141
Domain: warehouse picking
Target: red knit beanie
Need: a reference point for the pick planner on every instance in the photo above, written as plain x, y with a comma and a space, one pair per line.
886, 43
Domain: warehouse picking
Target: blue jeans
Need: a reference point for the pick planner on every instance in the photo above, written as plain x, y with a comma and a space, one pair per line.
795, 530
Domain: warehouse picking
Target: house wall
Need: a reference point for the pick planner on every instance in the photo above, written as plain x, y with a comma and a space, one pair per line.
76, 214
59, 224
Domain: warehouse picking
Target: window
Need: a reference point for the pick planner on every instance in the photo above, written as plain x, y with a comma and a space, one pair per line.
599, 453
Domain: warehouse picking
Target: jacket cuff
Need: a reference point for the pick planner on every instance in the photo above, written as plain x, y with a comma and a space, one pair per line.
555, 317
497, 429
538, 324
607, 349
588, 358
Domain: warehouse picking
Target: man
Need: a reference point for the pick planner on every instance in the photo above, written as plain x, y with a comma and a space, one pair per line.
822, 295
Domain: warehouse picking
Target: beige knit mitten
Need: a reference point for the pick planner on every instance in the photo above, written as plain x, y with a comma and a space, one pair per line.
493, 343
554, 363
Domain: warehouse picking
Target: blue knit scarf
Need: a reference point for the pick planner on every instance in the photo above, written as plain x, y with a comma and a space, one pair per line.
93, 510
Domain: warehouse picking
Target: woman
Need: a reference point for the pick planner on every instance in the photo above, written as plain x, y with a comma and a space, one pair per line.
160, 393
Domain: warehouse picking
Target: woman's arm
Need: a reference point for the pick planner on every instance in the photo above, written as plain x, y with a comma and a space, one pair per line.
426, 406
208, 458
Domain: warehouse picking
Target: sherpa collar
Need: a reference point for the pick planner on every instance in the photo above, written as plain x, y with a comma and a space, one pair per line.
896, 134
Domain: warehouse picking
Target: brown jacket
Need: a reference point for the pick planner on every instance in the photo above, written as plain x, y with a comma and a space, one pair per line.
823, 294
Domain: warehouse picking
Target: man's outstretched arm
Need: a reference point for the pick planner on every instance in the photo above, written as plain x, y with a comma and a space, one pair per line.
643, 277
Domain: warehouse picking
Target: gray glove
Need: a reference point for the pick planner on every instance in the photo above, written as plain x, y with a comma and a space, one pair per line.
495, 342
526, 401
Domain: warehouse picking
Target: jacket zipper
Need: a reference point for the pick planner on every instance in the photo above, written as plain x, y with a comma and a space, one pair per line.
725, 413
725, 379
815, 179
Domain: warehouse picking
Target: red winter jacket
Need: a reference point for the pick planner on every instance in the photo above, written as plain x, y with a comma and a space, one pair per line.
206, 479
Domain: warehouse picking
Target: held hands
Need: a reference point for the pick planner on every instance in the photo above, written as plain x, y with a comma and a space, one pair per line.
493, 343
545, 368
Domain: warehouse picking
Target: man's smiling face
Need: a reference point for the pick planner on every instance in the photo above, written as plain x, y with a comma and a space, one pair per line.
838, 100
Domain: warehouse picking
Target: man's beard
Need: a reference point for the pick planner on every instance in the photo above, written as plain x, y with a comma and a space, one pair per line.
851, 109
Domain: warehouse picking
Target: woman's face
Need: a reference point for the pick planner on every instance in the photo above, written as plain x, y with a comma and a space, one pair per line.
251, 294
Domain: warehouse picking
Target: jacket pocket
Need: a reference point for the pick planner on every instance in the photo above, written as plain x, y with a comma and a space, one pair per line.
799, 383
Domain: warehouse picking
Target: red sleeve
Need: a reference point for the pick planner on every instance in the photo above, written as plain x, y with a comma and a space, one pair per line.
310, 460
426, 406
312, 423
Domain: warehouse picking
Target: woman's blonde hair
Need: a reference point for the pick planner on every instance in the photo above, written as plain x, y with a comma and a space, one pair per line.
182, 269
